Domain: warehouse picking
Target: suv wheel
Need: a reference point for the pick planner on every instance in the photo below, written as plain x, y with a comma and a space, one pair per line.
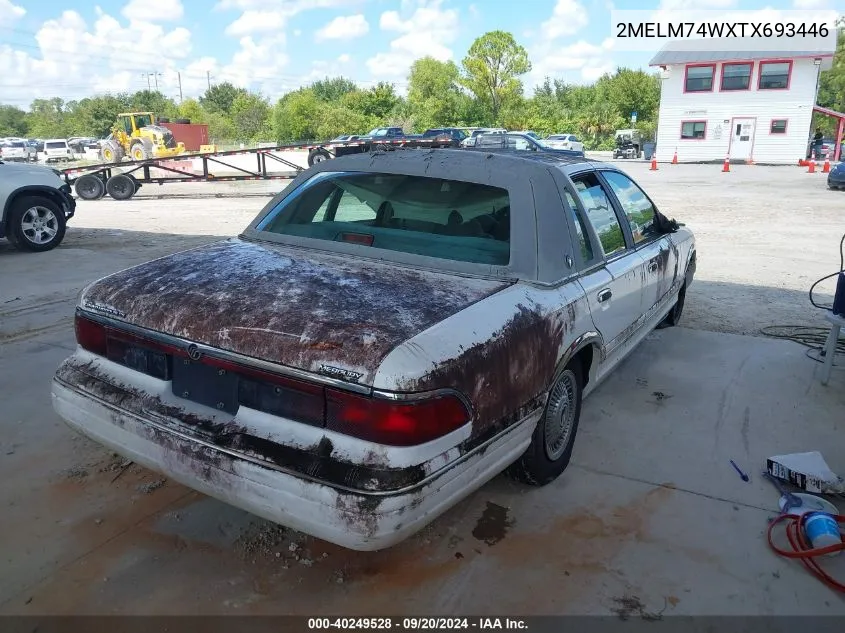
36, 223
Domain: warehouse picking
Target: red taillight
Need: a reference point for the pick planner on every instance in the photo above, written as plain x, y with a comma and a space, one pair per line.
90, 335
396, 423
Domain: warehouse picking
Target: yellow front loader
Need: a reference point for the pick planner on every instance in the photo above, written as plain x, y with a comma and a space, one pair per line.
137, 136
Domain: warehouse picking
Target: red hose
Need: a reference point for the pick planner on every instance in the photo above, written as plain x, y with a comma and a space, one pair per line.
803, 550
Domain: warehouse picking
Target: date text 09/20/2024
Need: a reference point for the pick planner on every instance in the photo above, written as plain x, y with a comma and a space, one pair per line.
416, 624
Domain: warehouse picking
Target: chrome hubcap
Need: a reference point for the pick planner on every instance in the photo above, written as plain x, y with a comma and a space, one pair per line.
560, 415
39, 225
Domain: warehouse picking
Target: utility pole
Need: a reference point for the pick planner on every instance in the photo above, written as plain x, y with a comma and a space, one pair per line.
156, 75
179, 75
208, 76
147, 75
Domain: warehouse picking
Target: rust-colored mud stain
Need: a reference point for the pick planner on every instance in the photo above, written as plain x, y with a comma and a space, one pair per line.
493, 524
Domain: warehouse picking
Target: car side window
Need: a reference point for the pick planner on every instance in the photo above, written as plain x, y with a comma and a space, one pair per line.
518, 143
600, 213
637, 207
583, 239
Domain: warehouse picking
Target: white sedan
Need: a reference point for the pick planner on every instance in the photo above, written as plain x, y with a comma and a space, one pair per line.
564, 141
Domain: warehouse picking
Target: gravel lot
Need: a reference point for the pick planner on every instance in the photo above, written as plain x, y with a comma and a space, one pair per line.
651, 514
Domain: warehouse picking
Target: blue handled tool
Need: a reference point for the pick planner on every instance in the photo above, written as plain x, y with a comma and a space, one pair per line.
741, 474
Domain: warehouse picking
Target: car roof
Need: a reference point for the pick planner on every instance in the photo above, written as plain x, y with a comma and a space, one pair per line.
507, 159
56, 140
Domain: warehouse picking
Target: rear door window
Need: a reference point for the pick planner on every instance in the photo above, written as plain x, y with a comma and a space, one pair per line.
447, 219
582, 235
600, 213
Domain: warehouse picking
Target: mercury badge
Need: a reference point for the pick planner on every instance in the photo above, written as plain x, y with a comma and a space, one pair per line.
194, 352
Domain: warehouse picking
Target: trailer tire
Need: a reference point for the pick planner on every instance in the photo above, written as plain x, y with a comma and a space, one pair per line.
90, 187
121, 187
318, 155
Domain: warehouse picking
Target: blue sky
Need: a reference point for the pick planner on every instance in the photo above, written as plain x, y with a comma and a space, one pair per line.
70, 48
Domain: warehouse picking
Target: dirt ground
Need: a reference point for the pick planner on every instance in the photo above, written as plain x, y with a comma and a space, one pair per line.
648, 510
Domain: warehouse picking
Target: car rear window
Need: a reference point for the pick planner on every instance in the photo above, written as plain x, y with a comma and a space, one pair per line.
16, 144
446, 219
56, 145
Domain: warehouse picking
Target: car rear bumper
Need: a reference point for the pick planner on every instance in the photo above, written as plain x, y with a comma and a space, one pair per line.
353, 519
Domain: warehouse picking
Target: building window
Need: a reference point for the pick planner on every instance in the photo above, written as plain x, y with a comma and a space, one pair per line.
699, 78
774, 75
736, 76
693, 130
778, 126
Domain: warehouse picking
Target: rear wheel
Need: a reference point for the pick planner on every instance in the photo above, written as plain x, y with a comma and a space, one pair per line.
551, 445
121, 187
111, 152
674, 316
36, 223
90, 187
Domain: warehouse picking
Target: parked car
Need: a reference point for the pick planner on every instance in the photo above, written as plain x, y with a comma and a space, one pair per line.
411, 328
344, 138
530, 133
17, 151
57, 149
451, 135
385, 133
836, 177
35, 205
519, 142
564, 141
37, 144
827, 150
471, 139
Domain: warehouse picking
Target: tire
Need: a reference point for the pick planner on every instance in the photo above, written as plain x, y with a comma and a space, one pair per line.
111, 152
139, 151
547, 457
121, 187
36, 224
674, 316
318, 155
90, 187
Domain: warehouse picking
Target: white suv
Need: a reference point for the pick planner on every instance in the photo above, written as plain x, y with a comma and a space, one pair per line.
17, 149
57, 149
35, 205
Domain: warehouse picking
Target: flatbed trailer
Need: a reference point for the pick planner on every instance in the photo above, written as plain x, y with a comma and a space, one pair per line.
122, 180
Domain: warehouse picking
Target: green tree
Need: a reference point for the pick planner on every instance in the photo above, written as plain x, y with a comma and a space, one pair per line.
46, 119
295, 116
334, 120
492, 68
221, 130
12, 121
95, 116
433, 92
250, 116
192, 110
333, 89
832, 81
220, 97
633, 91
153, 101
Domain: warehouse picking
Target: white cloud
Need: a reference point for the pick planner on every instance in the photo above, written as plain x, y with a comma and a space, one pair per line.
257, 22
811, 4
429, 30
568, 17
344, 59
10, 12
683, 5
153, 10
343, 28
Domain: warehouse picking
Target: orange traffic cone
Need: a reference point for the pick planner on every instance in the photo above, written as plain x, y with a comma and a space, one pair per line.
675, 157
653, 162
811, 169
727, 166
826, 168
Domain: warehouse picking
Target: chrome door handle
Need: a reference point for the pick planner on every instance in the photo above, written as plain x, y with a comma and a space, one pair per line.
652, 266
604, 295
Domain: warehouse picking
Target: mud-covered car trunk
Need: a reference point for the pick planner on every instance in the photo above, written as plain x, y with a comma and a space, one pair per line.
303, 309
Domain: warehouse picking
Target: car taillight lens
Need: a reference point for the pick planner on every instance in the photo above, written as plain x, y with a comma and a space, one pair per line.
396, 423
90, 335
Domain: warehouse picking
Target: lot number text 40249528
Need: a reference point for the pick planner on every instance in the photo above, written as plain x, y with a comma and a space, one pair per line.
417, 624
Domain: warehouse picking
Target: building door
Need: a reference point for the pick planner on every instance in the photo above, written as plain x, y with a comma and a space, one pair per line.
742, 141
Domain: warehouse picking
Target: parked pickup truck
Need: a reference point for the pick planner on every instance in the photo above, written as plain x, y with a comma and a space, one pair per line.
414, 324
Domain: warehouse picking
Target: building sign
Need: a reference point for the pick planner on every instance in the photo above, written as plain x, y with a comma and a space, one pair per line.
694, 112
717, 132
633, 117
